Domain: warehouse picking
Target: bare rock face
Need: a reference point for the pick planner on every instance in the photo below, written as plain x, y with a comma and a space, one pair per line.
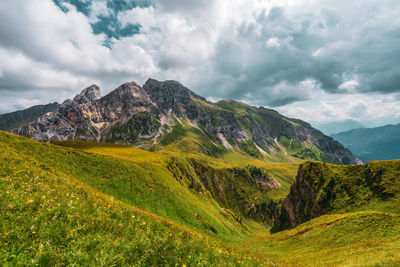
300, 204
16, 119
88, 95
132, 115
88, 116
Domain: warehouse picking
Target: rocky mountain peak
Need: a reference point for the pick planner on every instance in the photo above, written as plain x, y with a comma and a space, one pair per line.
88, 95
128, 92
169, 87
170, 95
137, 115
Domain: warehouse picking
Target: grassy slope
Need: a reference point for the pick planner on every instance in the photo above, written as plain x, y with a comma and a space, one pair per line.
186, 137
367, 238
52, 217
49, 217
207, 174
144, 184
342, 239
373, 186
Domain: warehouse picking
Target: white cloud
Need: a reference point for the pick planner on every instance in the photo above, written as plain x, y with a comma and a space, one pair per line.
26, 103
44, 48
98, 8
350, 85
369, 109
273, 42
263, 52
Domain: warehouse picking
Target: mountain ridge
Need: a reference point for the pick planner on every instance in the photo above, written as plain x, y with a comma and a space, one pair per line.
331, 128
16, 119
161, 113
379, 143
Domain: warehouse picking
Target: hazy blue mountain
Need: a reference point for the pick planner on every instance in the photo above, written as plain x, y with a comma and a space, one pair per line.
338, 126
380, 143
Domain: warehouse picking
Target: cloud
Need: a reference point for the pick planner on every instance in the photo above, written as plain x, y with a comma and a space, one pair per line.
26, 103
63, 55
358, 110
369, 109
276, 53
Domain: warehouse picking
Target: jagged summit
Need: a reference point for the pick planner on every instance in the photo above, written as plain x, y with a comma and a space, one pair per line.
127, 92
161, 114
88, 94
170, 95
154, 87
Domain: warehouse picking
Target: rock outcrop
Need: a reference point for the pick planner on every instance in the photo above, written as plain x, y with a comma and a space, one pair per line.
16, 119
322, 188
132, 114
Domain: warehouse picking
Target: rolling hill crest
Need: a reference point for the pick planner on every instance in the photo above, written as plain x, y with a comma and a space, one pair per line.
167, 114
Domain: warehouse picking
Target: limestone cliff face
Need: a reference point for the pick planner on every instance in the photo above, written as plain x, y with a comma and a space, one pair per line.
132, 114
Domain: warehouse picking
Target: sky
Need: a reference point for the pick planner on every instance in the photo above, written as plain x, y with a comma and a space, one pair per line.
317, 60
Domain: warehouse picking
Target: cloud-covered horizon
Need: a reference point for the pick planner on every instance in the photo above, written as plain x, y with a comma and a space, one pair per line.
315, 60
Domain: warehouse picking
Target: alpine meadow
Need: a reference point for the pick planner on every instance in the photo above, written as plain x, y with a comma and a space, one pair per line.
224, 157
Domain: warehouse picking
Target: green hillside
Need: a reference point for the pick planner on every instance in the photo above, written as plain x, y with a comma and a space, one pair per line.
83, 203
49, 217
43, 174
322, 188
367, 238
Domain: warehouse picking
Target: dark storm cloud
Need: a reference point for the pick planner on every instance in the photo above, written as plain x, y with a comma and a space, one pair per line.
323, 45
251, 51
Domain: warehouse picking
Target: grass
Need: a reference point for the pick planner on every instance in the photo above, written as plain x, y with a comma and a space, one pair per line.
366, 238
143, 184
322, 188
188, 138
196, 173
50, 218
374, 185
82, 203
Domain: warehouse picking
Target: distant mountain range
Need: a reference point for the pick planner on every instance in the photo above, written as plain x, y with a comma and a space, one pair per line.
380, 143
166, 113
337, 126
19, 118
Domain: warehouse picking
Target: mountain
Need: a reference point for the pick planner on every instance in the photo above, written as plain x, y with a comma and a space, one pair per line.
381, 143
168, 115
322, 188
87, 203
338, 126
14, 120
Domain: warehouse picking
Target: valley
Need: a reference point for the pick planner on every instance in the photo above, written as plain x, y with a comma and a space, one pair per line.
199, 133
157, 175
106, 204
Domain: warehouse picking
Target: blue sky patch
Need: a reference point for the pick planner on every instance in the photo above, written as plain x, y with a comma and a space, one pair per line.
108, 25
